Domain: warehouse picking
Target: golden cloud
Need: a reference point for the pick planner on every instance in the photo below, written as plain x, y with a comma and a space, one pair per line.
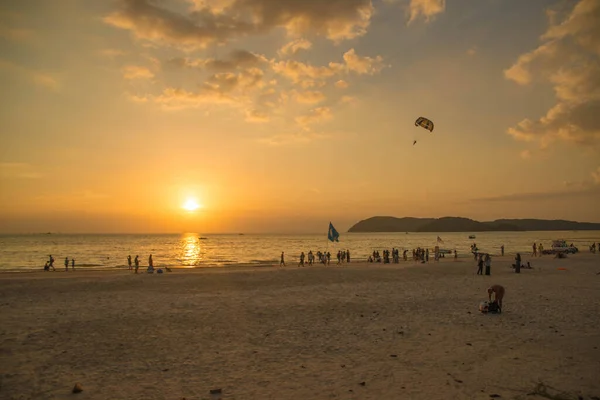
237, 59
309, 97
294, 47
425, 8
315, 115
137, 72
299, 72
341, 84
256, 116
221, 20
569, 61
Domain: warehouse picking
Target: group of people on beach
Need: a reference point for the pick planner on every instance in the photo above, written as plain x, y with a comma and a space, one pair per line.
323, 257
50, 264
150, 269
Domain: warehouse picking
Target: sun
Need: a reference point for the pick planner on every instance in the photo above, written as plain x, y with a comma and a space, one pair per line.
191, 205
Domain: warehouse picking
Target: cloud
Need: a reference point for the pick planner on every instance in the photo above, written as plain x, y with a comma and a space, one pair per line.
351, 100
10, 170
256, 116
137, 72
110, 53
579, 188
525, 154
309, 97
314, 116
221, 88
341, 84
541, 196
221, 20
37, 77
294, 46
568, 59
237, 59
292, 138
299, 72
425, 8
360, 65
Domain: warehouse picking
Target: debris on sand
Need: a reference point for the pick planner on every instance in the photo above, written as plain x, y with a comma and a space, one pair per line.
77, 388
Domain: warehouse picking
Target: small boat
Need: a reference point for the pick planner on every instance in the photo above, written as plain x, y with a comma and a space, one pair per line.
203, 238
472, 237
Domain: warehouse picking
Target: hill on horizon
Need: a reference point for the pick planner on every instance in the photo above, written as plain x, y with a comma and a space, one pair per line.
461, 224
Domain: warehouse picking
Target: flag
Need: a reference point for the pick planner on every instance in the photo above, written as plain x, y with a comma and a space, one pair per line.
439, 239
333, 235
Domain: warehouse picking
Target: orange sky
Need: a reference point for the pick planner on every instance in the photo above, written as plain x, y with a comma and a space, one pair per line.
281, 115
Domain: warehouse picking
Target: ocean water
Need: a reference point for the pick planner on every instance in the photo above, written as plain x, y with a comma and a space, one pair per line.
30, 252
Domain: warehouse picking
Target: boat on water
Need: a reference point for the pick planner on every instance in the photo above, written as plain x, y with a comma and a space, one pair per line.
471, 236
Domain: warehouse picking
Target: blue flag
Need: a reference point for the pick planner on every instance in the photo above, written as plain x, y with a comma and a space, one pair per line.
333, 235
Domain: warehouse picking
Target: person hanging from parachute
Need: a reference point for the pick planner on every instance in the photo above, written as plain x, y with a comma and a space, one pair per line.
424, 123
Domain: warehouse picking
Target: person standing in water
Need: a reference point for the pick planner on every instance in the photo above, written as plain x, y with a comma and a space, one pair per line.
282, 262
301, 263
137, 263
129, 261
502, 250
67, 264
73, 264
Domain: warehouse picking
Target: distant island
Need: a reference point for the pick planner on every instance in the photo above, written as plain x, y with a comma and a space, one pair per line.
458, 224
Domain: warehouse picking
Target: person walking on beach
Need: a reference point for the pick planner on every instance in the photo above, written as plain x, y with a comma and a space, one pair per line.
455, 255
534, 254
498, 291
137, 263
73, 264
66, 264
311, 257
150, 261
488, 264
540, 249
51, 262
282, 262
301, 263
129, 261
502, 250
480, 265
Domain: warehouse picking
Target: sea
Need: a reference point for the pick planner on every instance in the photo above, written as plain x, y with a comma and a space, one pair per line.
29, 252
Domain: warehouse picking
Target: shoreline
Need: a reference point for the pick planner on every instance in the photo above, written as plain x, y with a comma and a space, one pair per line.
293, 264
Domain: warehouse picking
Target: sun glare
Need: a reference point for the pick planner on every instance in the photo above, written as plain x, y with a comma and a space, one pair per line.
191, 205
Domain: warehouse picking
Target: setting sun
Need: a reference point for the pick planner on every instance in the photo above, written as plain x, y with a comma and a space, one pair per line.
191, 205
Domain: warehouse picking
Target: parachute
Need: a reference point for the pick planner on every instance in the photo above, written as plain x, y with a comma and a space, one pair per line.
424, 123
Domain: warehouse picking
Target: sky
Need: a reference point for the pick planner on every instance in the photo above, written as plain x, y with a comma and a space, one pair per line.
283, 115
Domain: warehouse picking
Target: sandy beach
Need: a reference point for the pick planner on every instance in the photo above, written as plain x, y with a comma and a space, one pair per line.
360, 331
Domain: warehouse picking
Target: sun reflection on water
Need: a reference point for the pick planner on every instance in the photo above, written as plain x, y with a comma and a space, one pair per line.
191, 250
